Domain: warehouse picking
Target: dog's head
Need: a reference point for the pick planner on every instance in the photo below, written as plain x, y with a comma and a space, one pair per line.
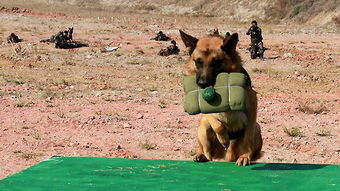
210, 56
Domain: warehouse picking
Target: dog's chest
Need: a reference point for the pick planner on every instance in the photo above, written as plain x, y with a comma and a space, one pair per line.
233, 121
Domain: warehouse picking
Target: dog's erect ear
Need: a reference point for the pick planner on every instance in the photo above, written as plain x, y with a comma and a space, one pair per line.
189, 41
230, 42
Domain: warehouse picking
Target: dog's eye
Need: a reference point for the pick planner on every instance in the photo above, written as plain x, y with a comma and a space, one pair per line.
199, 63
215, 62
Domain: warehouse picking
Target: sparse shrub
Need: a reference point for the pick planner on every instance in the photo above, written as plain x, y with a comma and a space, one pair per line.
64, 82
15, 81
24, 104
48, 93
134, 62
296, 10
30, 155
36, 136
145, 8
19, 50
119, 117
108, 99
192, 153
61, 114
258, 70
27, 127
266, 70
312, 108
279, 159
153, 88
292, 132
162, 103
146, 145
323, 133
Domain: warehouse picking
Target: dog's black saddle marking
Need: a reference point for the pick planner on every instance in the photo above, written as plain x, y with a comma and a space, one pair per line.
235, 135
248, 80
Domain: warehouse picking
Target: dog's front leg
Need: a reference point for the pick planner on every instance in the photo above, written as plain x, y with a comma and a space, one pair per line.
205, 141
220, 130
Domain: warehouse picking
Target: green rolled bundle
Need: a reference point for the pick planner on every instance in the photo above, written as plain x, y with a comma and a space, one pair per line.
228, 94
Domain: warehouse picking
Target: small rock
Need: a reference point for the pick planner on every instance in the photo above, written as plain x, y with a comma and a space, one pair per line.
139, 89
127, 125
119, 147
139, 116
49, 99
288, 55
297, 74
98, 94
154, 92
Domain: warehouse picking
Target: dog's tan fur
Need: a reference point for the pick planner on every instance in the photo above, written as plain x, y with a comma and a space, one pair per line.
214, 129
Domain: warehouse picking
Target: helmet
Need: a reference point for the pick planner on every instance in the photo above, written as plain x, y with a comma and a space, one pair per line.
254, 21
173, 42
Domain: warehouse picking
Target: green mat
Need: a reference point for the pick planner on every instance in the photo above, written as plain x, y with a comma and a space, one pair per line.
104, 174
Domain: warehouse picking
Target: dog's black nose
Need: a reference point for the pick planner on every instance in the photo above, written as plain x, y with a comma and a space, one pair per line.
203, 83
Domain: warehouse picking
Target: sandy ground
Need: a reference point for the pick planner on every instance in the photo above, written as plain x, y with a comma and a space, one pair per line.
128, 103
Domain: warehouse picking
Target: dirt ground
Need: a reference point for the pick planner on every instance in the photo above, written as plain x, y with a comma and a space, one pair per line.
128, 103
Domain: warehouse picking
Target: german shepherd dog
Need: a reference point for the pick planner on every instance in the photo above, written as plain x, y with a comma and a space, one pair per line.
230, 136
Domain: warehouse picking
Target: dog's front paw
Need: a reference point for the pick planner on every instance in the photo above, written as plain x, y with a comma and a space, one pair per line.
200, 158
243, 160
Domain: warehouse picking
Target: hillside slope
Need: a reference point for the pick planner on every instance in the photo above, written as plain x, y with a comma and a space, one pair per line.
276, 11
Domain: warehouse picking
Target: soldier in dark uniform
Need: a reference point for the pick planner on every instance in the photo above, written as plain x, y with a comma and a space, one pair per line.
59, 40
161, 37
172, 49
13, 38
256, 38
64, 40
70, 34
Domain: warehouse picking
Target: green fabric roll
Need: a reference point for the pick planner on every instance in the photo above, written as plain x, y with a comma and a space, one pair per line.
230, 94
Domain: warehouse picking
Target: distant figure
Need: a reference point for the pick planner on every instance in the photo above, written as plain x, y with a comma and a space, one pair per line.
64, 40
170, 50
161, 37
214, 32
227, 34
70, 34
66, 35
13, 38
255, 33
60, 40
